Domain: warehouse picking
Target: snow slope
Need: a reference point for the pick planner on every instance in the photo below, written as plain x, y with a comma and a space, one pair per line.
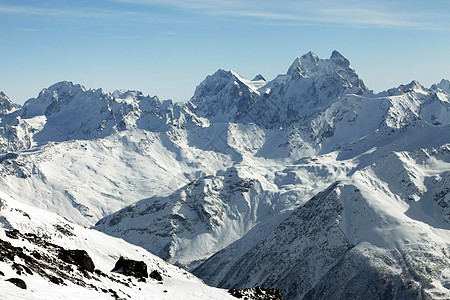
38, 233
381, 233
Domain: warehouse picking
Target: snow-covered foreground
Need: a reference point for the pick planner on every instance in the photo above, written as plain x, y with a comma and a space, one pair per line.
38, 228
252, 182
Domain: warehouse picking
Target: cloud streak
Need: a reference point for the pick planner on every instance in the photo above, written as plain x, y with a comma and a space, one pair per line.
55, 12
342, 12
339, 12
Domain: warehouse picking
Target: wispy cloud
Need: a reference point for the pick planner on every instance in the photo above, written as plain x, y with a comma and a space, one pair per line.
343, 12
368, 17
338, 12
57, 12
29, 29
90, 13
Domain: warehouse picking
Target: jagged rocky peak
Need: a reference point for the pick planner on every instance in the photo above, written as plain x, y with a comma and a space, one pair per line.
413, 86
223, 96
339, 59
213, 84
305, 64
444, 86
52, 97
131, 94
6, 105
337, 66
64, 86
62, 90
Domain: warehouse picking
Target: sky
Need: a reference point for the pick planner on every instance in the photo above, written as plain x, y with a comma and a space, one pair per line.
167, 47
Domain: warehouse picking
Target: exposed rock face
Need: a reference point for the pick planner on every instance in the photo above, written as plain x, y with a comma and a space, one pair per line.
77, 257
257, 293
156, 275
130, 267
6, 105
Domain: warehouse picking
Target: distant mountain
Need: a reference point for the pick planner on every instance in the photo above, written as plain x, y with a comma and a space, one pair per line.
6, 105
253, 182
377, 235
310, 86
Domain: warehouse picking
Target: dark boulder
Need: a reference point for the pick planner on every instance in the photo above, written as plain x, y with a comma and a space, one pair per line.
19, 282
55, 280
77, 257
130, 267
156, 275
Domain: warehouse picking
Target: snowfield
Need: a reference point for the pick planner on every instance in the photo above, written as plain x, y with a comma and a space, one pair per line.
104, 251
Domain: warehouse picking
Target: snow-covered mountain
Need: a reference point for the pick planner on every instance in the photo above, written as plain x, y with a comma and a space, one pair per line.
383, 233
6, 105
253, 182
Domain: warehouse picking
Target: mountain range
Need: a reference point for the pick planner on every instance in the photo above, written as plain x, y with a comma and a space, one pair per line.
310, 183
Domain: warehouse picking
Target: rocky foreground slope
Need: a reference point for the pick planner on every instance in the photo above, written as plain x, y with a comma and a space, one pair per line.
43, 256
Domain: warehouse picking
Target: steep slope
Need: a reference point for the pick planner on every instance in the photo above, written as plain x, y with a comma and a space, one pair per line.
83, 146
89, 179
199, 219
212, 212
225, 96
67, 111
32, 241
379, 234
6, 105
310, 85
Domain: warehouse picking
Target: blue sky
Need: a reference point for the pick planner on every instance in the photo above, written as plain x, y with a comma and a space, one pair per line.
167, 48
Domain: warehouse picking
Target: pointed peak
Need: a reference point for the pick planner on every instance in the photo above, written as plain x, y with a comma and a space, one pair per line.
445, 81
310, 56
4, 97
443, 85
259, 77
339, 59
305, 62
222, 73
412, 86
336, 55
6, 105
311, 66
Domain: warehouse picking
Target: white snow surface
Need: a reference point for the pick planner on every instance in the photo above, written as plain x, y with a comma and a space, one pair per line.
104, 251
